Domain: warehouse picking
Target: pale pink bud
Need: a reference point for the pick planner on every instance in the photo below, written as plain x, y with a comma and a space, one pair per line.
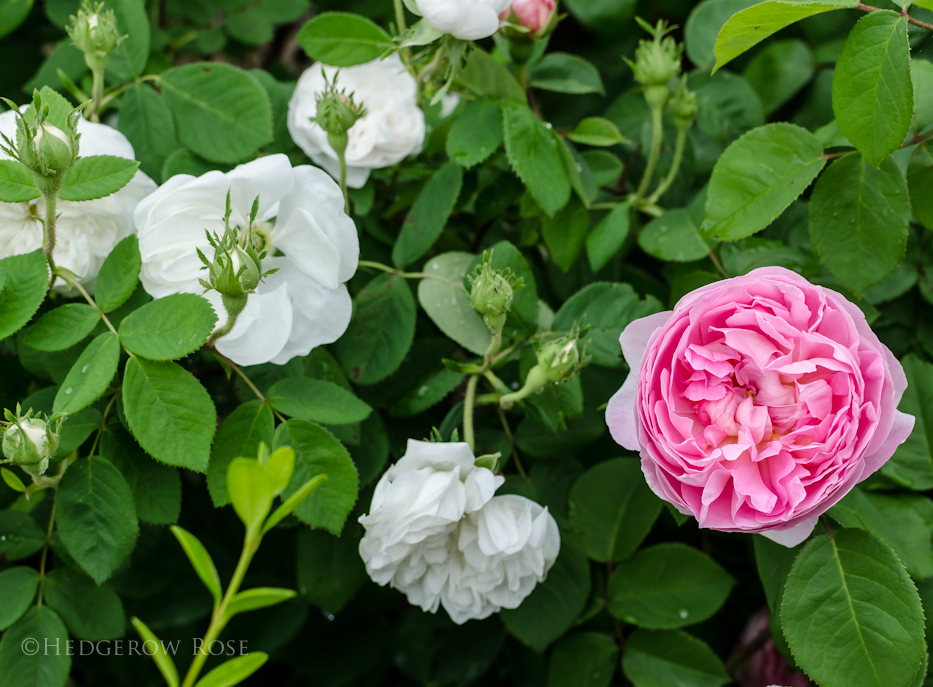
534, 15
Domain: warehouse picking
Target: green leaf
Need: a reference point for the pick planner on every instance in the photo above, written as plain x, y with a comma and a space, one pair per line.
38, 627
315, 400
859, 217
20, 536
613, 509
12, 480
90, 376
912, 462
605, 168
921, 72
749, 27
670, 657
200, 560
240, 435
96, 517
292, 502
778, 72
728, 105
63, 327
608, 308
89, 611
448, 304
774, 562
667, 586
168, 328
577, 172
903, 522
156, 649
156, 487
674, 236
758, 177
119, 275
565, 233
566, 73
380, 331
919, 179
342, 39
853, 589
597, 131
534, 155
260, 597
872, 88
19, 586
704, 23
12, 14
251, 491
24, 289
583, 659
488, 78
550, 610
129, 59
476, 134
605, 16
234, 671
147, 123
429, 393
97, 176
319, 453
169, 412
221, 113
429, 215
16, 182
330, 570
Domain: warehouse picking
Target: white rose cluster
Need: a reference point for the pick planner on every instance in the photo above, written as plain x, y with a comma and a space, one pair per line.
392, 129
86, 231
436, 532
468, 20
301, 224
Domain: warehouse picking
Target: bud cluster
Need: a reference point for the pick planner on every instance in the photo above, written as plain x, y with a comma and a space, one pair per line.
30, 441
337, 113
558, 361
492, 292
656, 62
44, 148
94, 31
236, 268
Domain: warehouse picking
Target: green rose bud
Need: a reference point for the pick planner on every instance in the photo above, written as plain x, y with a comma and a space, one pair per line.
656, 62
30, 442
54, 150
684, 104
337, 113
94, 31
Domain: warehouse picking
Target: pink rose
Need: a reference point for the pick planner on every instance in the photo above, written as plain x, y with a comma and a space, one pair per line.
534, 15
758, 403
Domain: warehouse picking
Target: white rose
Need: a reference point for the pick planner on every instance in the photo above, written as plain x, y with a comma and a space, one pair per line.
468, 20
507, 547
311, 240
417, 504
436, 533
392, 129
86, 232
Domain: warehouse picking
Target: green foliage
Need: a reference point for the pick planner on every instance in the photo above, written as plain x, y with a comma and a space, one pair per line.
97, 176
168, 328
584, 658
63, 327
854, 584
25, 281
96, 517
429, 215
90, 376
19, 585
476, 134
535, 156
566, 73
89, 611
315, 400
448, 304
118, 276
343, 39
330, 571
45, 669
657, 659
912, 463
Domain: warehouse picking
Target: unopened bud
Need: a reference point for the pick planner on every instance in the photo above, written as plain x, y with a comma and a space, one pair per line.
94, 31
53, 148
539, 17
562, 359
30, 442
337, 113
656, 61
684, 103
493, 290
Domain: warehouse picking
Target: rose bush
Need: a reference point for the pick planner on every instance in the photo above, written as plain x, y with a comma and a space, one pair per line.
466, 342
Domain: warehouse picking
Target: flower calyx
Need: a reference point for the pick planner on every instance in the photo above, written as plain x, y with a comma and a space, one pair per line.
656, 62
492, 292
684, 104
337, 112
559, 361
94, 32
236, 268
47, 150
29, 440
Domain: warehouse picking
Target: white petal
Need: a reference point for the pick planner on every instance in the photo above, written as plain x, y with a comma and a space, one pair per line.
261, 330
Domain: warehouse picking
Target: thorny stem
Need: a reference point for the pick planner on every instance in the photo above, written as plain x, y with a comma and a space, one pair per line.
218, 618
97, 95
910, 20
232, 315
45, 551
468, 411
741, 658
508, 433
342, 158
242, 375
919, 138
675, 165
407, 275
657, 137
70, 277
48, 234
722, 271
